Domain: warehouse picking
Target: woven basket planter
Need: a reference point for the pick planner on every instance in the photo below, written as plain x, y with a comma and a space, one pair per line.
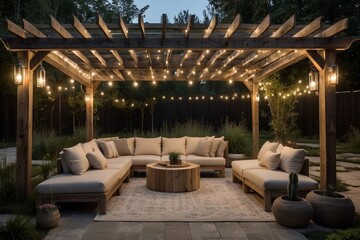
294, 214
334, 212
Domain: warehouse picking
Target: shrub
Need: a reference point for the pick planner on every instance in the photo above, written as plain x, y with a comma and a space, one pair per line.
346, 234
190, 128
20, 227
353, 139
238, 137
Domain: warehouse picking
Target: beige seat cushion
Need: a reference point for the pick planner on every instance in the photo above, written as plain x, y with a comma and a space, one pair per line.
122, 165
148, 146
267, 146
292, 160
120, 159
145, 159
76, 159
202, 161
191, 144
277, 180
173, 145
97, 160
93, 181
242, 165
270, 160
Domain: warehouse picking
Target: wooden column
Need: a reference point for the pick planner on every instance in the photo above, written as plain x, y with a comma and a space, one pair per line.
255, 118
90, 113
327, 124
24, 130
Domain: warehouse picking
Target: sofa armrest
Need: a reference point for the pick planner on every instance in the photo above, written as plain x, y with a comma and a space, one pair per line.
305, 168
59, 169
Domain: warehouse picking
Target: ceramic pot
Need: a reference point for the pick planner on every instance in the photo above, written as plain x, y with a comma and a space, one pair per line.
334, 212
295, 214
48, 220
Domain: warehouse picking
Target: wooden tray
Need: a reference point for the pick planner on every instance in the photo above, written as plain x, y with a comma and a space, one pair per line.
167, 164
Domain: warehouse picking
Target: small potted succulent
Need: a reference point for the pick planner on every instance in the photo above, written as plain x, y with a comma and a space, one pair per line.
175, 158
47, 216
291, 210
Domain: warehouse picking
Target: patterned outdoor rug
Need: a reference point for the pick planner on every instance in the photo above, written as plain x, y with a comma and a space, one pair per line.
217, 199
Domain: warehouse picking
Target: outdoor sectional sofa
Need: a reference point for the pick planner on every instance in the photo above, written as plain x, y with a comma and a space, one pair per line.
88, 174
268, 175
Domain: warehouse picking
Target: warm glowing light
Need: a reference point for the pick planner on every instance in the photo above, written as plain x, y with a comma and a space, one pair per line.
154, 82
190, 82
135, 84
110, 84
87, 97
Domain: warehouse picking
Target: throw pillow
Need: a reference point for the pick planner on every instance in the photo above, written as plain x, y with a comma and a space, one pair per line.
270, 160
173, 145
203, 148
148, 146
292, 160
280, 148
97, 160
109, 149
215, 146
191, 143
76, 159
221, 149
90, 146
268, 146
122, 146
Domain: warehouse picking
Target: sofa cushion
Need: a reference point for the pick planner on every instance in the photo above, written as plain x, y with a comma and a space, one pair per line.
201, 160
97, 160
125, 146
203, 148
173, 145
148, 146
268, 146
93, 181
90, 146
120, 159
76, 159
292, 160
270, 160
221, 149
215, 145
240, 166
121, 164
145, 159
109, 149
64, 165
191, 144
279, 148
277, 180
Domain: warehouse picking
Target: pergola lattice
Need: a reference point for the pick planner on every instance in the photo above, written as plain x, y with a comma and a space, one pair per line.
92, 53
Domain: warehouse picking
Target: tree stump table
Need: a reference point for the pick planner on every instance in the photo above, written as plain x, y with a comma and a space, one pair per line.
173, 178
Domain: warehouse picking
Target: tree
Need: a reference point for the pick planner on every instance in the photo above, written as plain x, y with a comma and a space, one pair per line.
281, 100
183, 17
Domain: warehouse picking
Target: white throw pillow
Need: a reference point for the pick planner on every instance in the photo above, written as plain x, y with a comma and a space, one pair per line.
97, 160
173, 145
292, 160
76, 159
90, 146
270, 160
191, 144
280, 148
148, 146
268, 146
203, 148
215, 145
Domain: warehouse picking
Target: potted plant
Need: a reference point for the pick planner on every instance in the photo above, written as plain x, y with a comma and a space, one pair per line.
175, 158
331, 209
47, 216
291, 210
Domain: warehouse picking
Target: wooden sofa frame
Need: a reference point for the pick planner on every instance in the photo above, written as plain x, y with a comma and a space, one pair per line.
268, 195
101, 198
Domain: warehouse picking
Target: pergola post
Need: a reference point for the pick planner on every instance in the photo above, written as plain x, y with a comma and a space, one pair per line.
327, 123
255, 117
90, 113
24, 129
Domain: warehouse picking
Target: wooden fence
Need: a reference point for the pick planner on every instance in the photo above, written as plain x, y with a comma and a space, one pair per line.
213, 112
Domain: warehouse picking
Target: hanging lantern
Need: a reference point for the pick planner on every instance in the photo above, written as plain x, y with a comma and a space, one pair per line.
41, 77
314, 80
333, 74
87, 97
19, 72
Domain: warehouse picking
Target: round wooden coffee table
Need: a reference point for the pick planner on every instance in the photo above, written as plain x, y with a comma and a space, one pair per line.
172, 178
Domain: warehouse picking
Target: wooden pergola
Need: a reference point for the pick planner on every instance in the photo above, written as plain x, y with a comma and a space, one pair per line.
94, 52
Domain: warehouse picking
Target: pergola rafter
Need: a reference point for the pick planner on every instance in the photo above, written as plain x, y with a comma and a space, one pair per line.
95, 52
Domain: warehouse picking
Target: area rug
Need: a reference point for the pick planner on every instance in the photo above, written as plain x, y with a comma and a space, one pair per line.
217, 199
